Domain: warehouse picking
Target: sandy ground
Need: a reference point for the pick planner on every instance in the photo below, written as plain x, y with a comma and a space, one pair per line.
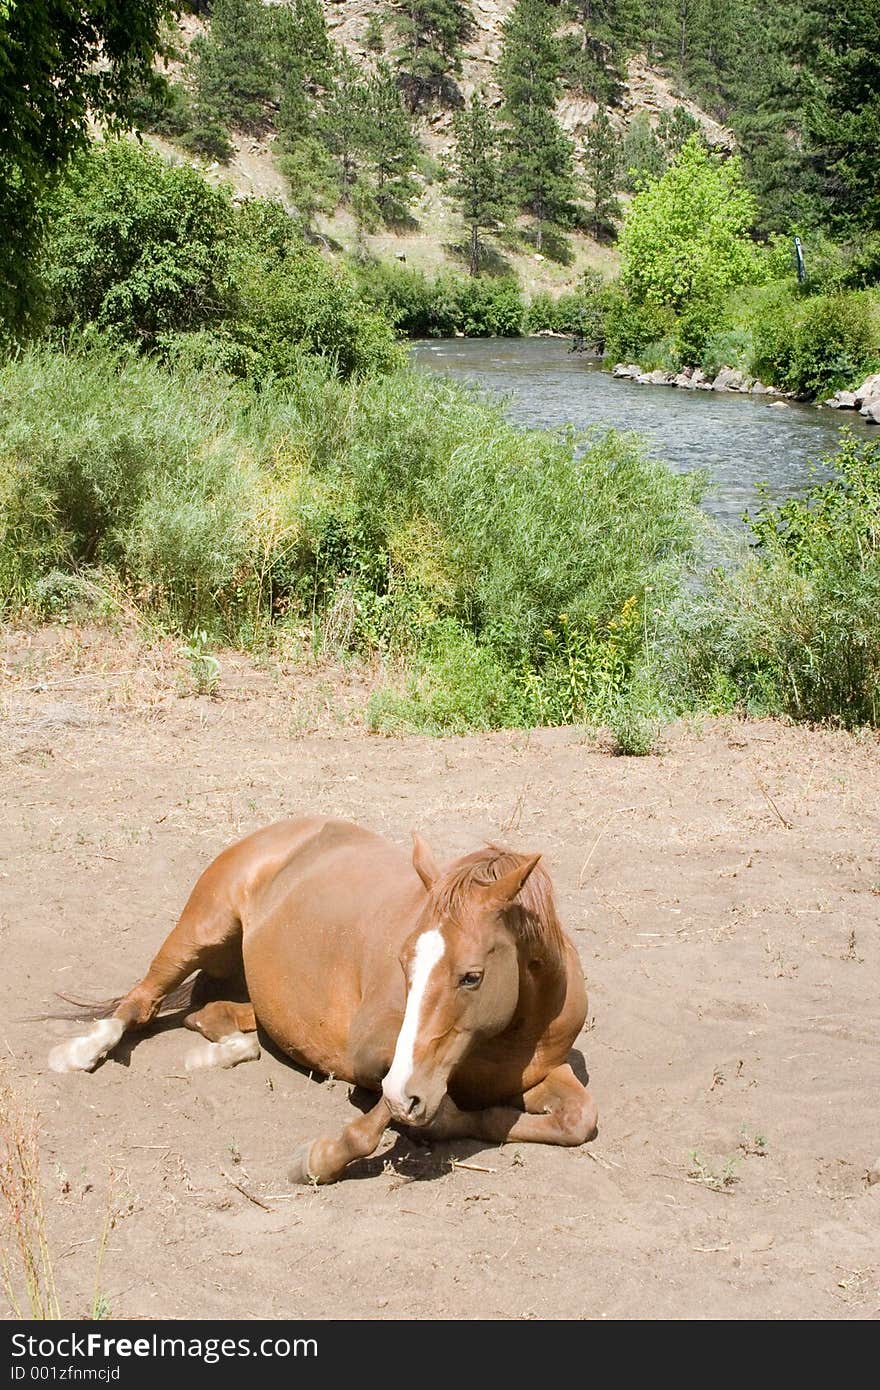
724, 898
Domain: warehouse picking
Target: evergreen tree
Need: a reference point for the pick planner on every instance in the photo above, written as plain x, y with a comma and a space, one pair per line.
594, 48
843, 112
602, 165
674, 129
233, 67
343, 118
479, 186
390, 145
432, 32
642, 156
539, 155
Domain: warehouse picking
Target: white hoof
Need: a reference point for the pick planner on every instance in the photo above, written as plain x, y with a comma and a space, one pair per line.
228, 1052
85, 1052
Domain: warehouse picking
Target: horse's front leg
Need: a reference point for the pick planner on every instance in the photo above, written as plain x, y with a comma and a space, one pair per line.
325, 1160
557, 1111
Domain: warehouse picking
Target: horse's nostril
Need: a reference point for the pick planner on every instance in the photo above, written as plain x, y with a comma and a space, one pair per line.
414, 1105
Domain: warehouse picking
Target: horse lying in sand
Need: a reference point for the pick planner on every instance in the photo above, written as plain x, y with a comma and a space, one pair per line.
453, 992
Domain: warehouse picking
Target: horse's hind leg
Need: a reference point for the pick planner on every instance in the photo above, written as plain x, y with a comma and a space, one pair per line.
207, 937
559, 1110
229, 1032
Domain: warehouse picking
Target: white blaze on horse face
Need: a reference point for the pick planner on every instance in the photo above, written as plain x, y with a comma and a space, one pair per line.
429, 950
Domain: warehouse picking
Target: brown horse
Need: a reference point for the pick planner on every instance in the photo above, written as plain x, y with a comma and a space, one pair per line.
454, 992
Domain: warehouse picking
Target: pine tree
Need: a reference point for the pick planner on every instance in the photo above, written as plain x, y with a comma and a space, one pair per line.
479, 186
642, 156
539, 155
342, 119
843, 113
233, 68
602, 165
432, 32
594, 51
390, 145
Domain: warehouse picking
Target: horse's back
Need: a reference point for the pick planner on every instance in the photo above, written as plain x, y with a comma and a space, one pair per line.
326, 908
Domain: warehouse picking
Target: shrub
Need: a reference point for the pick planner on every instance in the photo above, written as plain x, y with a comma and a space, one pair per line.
136, 245
813, 344
400, 514
795, 628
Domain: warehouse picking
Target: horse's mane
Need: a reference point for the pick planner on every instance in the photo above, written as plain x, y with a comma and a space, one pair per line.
531, 916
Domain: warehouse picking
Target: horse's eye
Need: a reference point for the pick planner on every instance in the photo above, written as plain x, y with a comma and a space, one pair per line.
472, 980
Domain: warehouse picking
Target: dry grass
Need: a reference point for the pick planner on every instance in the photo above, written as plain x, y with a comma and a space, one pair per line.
25, 1261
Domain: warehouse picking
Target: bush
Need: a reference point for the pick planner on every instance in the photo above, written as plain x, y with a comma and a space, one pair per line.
136, 245
811, 345
400, 514
795, 628
421, 308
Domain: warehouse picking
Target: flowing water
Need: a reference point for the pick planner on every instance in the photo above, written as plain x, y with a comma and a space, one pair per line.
737, 441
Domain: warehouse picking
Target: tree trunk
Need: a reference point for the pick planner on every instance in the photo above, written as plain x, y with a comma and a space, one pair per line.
475, 249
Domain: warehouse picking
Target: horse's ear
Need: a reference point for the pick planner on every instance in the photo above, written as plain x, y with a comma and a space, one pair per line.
424, 862
502, 891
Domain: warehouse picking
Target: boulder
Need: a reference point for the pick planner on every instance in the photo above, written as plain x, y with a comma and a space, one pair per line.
871, 411
728, 379
779, 405
684, 381
868, 391
841, 400
629, 372
759, 389
698, 377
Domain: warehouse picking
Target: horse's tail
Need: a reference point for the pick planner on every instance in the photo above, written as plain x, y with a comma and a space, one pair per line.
89, 1010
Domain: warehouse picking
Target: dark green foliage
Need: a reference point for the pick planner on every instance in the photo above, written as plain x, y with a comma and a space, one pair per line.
539, 154
478, 186
161, 106
602, 165
593, 49
390, 145
50, 81
843, 111
136, 245
234, 72
431, 33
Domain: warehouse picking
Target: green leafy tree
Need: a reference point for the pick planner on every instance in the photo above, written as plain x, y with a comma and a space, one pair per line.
61, 62
136, 246
603, 152
342, 120
685, 241
539, 155
478, 185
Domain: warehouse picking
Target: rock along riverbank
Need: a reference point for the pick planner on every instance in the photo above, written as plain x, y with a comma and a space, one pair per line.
865, 398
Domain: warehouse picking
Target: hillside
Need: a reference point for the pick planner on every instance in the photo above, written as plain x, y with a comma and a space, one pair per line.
433, 241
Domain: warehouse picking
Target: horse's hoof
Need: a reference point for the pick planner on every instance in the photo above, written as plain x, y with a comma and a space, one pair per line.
228, 1052
85, 1052
299, 1168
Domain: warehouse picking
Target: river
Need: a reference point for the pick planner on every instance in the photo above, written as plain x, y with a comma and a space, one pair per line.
738, 441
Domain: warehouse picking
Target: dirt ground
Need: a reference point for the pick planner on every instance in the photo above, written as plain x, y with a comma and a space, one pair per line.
725, 898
